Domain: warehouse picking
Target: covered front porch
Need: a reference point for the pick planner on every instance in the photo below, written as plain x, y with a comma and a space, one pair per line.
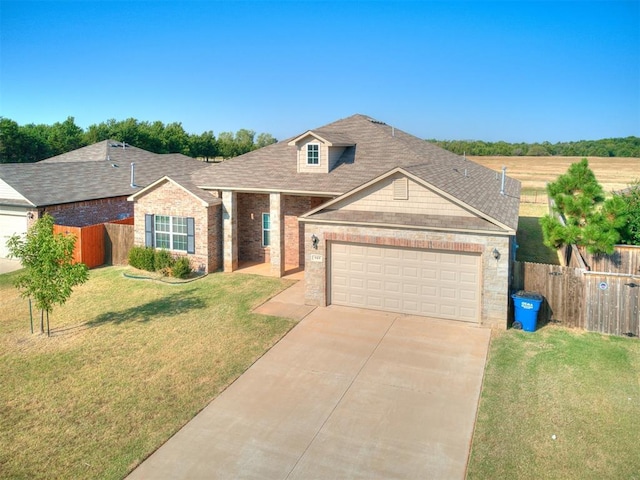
261, 231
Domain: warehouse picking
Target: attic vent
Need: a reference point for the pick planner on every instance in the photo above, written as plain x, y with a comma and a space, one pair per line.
401, 189
373, 120
119, 145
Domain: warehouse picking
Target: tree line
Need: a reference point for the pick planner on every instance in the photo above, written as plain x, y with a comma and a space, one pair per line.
32, 143
35, 142
606, 147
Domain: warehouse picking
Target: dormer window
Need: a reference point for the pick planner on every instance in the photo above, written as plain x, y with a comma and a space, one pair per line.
313, 154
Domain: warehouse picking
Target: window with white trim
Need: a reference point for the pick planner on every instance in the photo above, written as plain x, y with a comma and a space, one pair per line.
266, 229
313, 154
170, 233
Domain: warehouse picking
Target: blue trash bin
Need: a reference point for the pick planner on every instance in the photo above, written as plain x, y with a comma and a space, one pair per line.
527, 305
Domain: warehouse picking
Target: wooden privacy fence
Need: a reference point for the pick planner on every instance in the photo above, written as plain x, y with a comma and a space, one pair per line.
89, 248
118, 242
595, 301
104, 243
624, 259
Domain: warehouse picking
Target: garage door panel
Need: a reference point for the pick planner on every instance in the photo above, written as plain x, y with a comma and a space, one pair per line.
428, 273
448, 294
412, 281
10, 224
467, 312
448, 276
410, 272
468, 295
411, 289
392, 270
470, 278
392, 287
469, 260
374, 268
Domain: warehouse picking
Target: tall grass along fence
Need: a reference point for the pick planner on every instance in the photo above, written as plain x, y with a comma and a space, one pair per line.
104, 243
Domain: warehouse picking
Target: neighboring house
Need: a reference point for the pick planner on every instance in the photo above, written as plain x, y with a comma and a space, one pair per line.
84, 187
377, 218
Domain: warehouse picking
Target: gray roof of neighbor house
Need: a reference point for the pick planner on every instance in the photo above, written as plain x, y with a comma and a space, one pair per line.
90, 173
109, 150
377, 148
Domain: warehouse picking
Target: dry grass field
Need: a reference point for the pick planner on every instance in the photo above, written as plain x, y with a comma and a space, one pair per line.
534, 172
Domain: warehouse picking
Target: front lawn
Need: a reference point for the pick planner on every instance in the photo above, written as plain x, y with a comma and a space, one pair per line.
558, 404
128, 363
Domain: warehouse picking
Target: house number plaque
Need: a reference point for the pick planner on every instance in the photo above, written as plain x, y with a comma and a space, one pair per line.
316, 258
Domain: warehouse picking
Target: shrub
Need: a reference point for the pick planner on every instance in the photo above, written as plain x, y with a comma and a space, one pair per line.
181, 268
163, 261
142, 258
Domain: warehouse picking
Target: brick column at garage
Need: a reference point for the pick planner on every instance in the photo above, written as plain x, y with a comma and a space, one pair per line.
230, 230
276, 249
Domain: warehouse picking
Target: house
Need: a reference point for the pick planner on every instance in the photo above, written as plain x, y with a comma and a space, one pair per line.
84, 187
378, 219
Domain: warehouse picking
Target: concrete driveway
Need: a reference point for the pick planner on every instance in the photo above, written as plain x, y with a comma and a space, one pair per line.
348, 393
9, 265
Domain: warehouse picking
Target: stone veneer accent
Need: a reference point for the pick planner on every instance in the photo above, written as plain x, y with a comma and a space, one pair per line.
169, 199
494, 275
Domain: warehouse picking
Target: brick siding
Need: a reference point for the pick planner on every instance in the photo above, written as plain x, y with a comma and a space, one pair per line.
169, 199
90, 212
251, 206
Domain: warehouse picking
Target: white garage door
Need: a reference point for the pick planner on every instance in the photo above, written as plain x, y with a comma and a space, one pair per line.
416, 282
10, 224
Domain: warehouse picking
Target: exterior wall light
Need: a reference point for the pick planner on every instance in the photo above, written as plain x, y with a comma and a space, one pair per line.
496, 254
314, 241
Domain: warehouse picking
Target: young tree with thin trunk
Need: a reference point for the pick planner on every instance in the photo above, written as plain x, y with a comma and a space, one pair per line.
50, 273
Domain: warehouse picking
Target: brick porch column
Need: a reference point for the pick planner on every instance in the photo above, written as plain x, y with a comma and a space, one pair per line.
276, 209
230, 231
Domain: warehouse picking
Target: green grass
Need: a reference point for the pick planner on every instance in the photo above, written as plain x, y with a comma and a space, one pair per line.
128, 363
582, 387
529, 237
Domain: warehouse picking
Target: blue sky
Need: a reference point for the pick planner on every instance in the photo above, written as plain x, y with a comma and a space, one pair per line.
508, 70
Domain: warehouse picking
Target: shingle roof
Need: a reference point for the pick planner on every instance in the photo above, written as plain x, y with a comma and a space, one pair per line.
107, 150
405, 220
184, 182
73, 180
334, 138
378, 149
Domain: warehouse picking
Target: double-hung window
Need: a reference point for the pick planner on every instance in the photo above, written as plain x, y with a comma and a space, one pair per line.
266, 229
170, 233
313, 154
